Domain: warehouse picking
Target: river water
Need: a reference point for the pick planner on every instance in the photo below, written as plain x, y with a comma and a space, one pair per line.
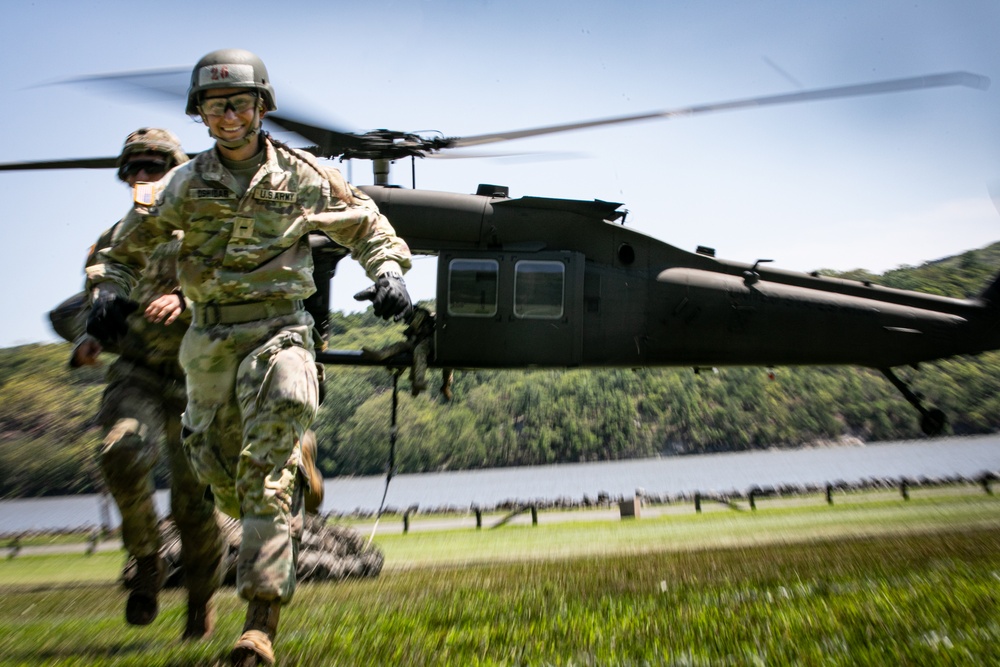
669, 476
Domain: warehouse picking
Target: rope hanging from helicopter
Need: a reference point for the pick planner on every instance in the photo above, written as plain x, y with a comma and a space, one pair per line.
416, 349
391, 466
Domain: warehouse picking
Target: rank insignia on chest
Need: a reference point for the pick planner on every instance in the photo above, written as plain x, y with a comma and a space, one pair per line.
243, 228
144, 194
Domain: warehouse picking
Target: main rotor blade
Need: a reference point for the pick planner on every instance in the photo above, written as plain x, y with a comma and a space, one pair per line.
170, 82
386, 144
77, 163
82, 163
526, 156
328, 142
994, 190
875, 88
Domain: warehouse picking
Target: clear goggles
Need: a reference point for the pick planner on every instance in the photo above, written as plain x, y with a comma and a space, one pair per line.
238, 102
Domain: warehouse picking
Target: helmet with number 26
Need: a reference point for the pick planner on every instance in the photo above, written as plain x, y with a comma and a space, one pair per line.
229, 68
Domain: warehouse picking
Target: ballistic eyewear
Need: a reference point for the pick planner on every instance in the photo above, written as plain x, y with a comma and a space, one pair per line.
238, 102
151, 167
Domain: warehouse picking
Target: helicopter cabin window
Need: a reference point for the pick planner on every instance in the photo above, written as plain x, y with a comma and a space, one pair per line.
539, 287
472, 287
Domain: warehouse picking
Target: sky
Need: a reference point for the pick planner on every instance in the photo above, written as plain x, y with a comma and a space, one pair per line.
874, 183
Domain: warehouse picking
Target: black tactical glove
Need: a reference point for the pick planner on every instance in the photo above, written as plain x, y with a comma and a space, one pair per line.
107, 320
389, 298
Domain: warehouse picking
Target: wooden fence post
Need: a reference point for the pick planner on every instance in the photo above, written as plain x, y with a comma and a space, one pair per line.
985, 481
15, 547
93, 540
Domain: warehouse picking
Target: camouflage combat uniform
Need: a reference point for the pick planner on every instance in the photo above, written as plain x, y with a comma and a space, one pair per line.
141, 407
249, 355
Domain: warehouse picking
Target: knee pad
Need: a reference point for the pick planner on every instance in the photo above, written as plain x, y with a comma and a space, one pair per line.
125, 444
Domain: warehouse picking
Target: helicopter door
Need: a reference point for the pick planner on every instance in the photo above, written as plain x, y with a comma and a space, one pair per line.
509, 309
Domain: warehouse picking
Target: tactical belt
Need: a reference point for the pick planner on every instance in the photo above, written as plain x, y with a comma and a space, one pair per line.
211, 313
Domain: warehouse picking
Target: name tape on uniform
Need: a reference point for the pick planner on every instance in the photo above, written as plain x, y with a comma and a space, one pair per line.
276, 195
211, 193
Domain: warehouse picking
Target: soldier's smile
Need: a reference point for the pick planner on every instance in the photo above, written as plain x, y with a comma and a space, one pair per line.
231, 124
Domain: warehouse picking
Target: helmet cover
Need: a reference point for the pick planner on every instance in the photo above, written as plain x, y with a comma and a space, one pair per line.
229, 68
152, 140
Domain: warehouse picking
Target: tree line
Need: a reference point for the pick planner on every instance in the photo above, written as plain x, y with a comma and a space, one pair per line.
48, 436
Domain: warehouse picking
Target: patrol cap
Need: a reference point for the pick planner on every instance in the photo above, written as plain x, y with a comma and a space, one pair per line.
152, 140
229, 68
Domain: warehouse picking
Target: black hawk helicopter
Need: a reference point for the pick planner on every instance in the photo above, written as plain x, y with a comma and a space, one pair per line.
552, 283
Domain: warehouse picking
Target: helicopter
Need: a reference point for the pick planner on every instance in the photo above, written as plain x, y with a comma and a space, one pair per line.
536, 282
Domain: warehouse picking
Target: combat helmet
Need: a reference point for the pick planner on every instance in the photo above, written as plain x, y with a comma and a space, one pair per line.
152, 140
229, 68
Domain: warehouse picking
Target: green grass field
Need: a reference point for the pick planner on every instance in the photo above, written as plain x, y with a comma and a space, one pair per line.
879, 582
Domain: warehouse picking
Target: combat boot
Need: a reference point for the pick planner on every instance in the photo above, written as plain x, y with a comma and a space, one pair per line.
200, 617
255, 646
314, 478
150, 573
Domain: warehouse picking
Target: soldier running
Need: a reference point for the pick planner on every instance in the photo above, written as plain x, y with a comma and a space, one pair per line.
141, 410
245, 210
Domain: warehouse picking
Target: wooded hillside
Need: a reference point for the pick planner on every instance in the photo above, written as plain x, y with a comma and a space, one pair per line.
505, 418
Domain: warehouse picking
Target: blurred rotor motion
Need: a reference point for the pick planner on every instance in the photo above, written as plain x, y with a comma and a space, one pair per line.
391, 145
994, 189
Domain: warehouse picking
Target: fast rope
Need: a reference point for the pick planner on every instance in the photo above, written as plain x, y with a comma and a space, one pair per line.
391, 468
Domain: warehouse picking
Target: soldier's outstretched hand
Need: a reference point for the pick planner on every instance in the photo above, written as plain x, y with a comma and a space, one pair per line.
389, 298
